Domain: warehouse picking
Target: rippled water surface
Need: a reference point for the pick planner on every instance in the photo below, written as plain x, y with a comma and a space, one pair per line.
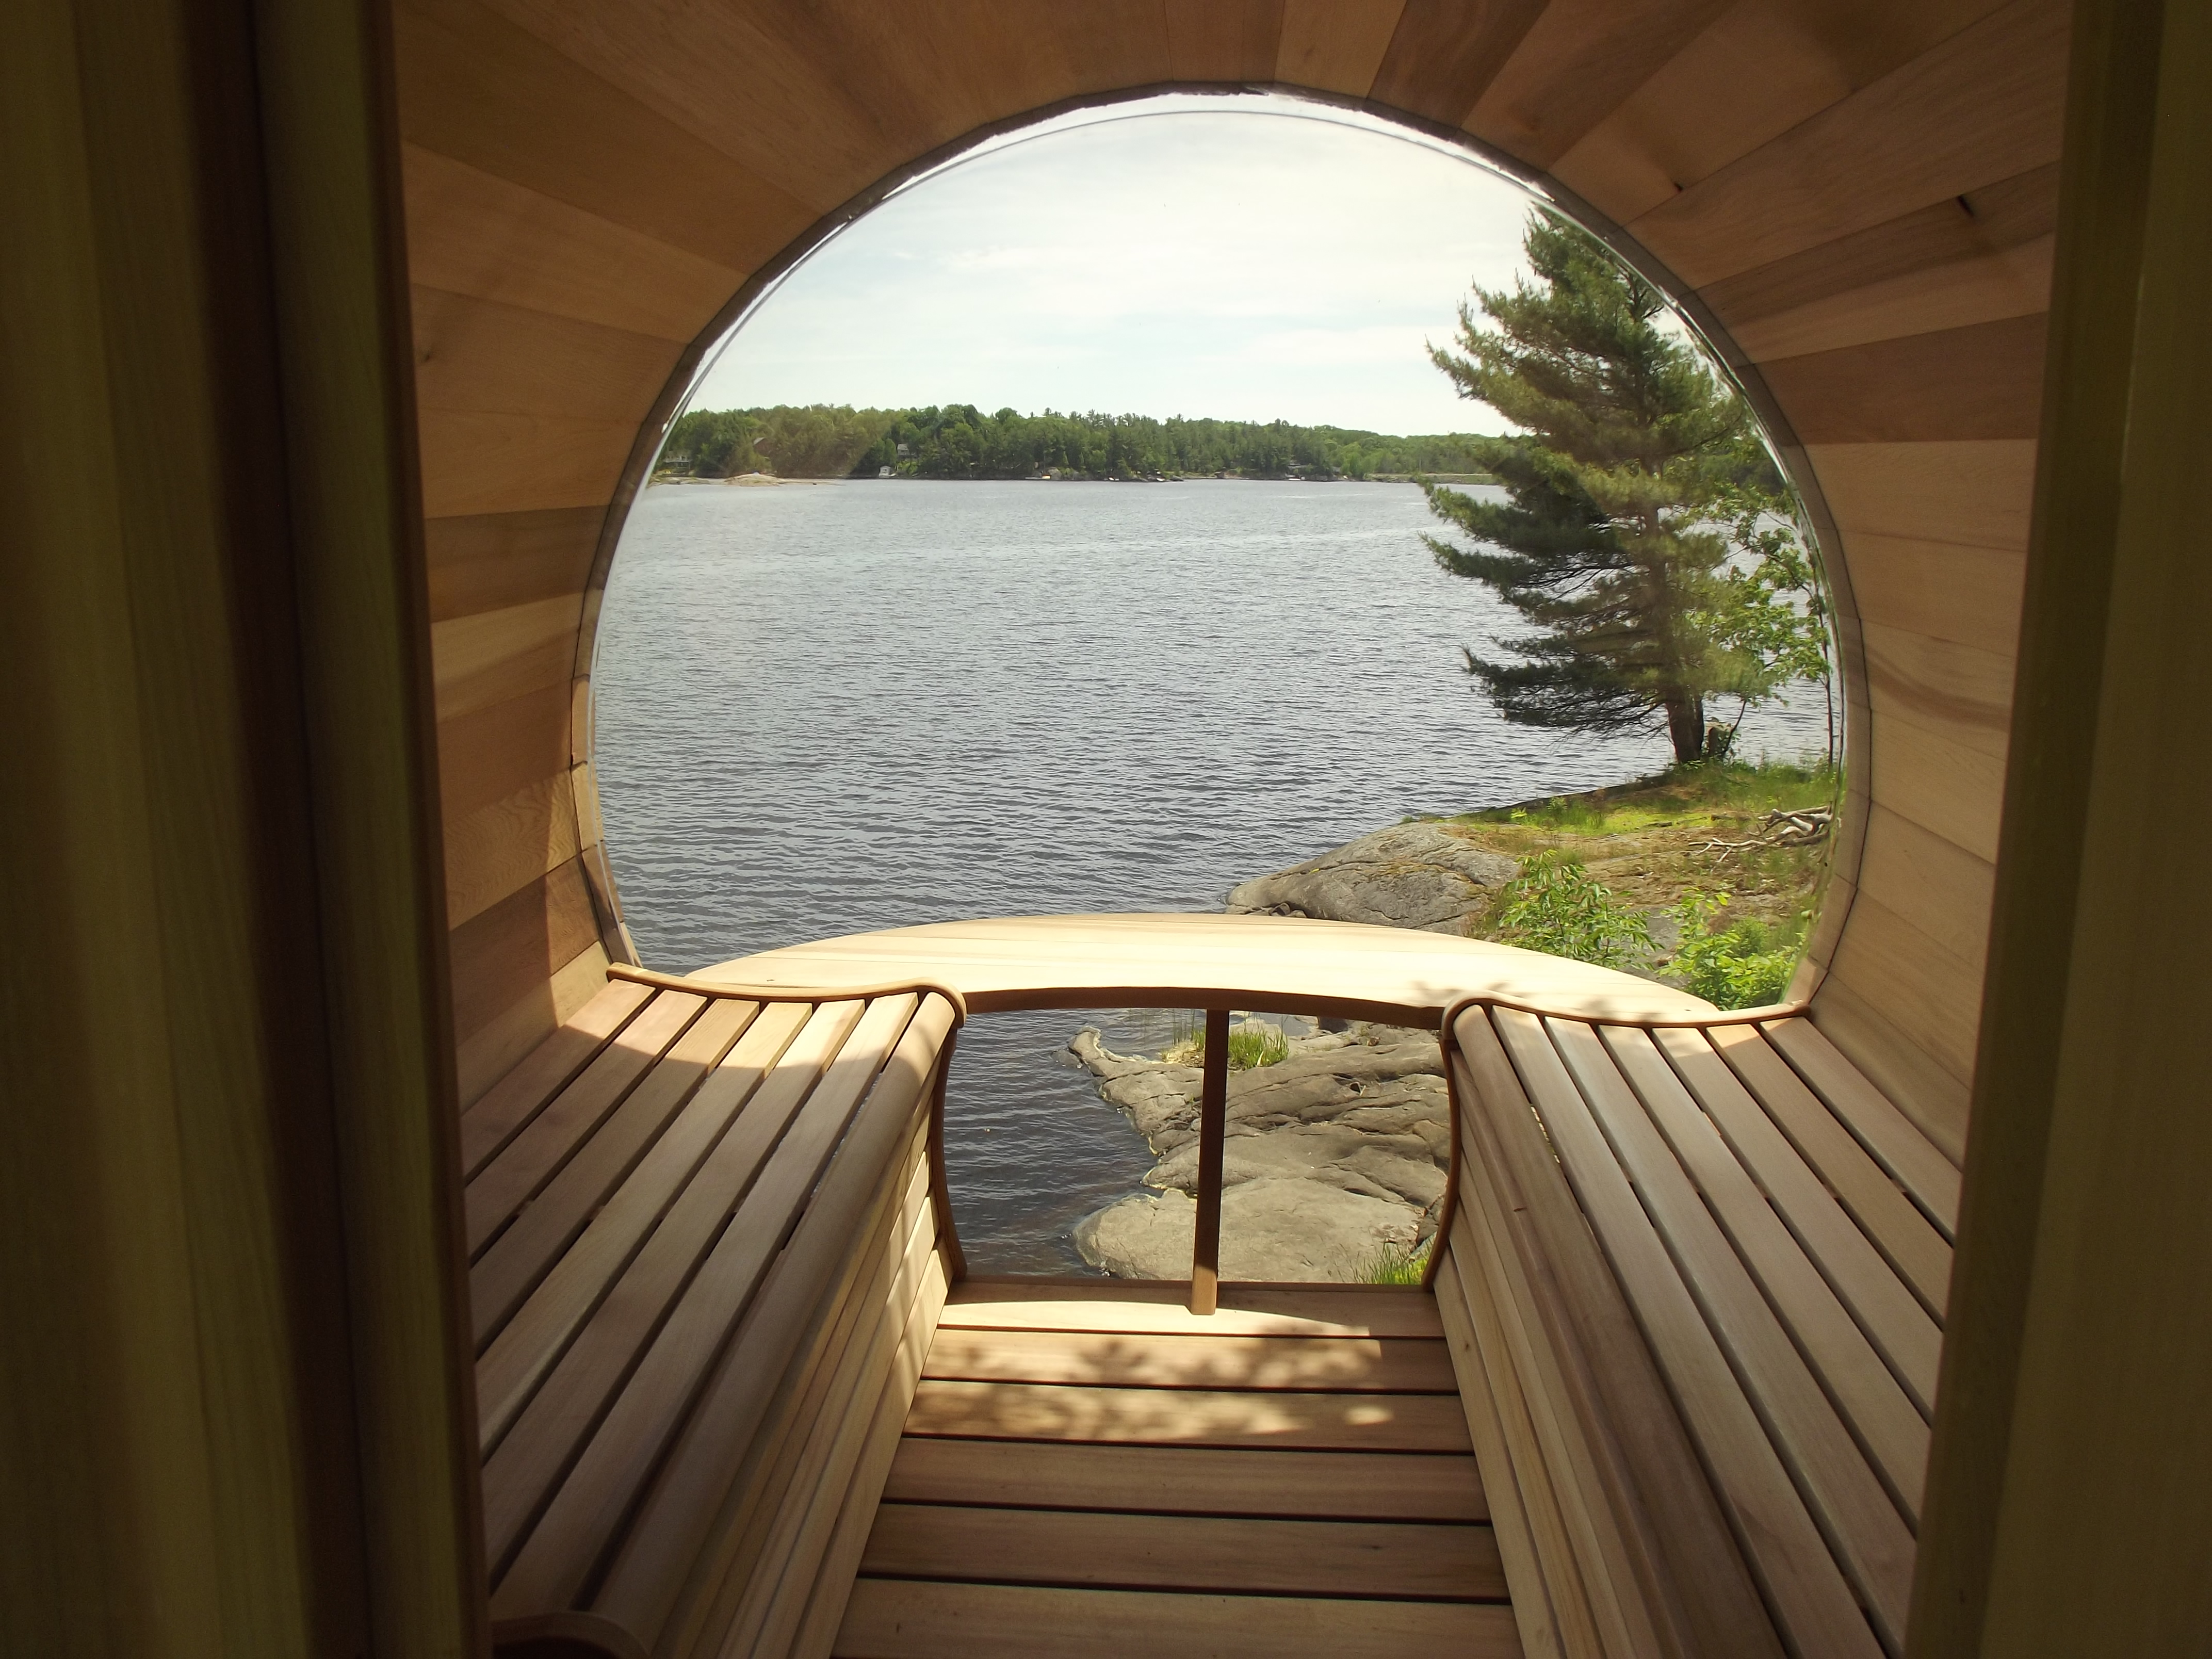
822, 708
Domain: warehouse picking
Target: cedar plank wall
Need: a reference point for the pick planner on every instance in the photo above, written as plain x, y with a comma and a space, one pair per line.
1863, 194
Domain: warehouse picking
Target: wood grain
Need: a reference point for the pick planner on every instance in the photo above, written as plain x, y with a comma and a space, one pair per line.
1916, 1164
1192, 1417
488, 754
1224, 39
496, 656
489, 1122
483, 1056
1336, 45
510, 952
1931, 1095
472, 354
504, 847
1981, 382
1087, 1304
1442, 56
1966, 595
1348, 1364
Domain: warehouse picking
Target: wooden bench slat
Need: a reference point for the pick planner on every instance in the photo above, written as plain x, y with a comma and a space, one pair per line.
538, 1149
1340, 1364
511, 1268
624, 1294
913, 1618
1891, 1219
1857, 1517
1194, 1480
1244, 1309
1884, 1417
1920, 1166
824, 1253
1894, 1321
1399, 1561
1634, 1450
511, 1102
1803, 1582
1029, 1411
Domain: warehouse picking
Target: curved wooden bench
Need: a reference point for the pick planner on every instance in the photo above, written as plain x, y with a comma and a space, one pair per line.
704, 1234
1696, 1282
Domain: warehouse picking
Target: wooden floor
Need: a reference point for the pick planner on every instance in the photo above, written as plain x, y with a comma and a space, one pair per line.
1089, 1469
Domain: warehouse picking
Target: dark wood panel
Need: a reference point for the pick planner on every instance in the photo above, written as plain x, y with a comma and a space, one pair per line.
1981, 221
1371, 1559
477, 354
1575, 65
475, 87
1446, 53
489, 561
490, 753
1981, 106
1311, 1422
1979, 382
1189, 1480
498, 848
1335, 45
512, 949
1224, 39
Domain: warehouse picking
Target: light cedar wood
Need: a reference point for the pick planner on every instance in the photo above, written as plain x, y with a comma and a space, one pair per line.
491, 461
548, 1223
1579, 60
738, 1391
1951, 687
1942, 886
1991, 222
1187, 1479
488, 754
1441, 60
1901, 1330
497, 560
473, 354
1981, 106
1929, 1095
1195, 1417
496, 656
1979, 382
1087, 1304
1802, 1581
507, 955
1534, 1614
1889, 1424
1911, 1159
2009, 283
658, 1193
469, 231
484, 1056
1224, 39
1335, 45
488, 1122
1929, 996
1975, 492
1346, 1364
1626, 1444
1763, 67
509, 1181
691, 1249
1924, 774
475, 87
1904, 1236
1966, 595
1389, 1559
501, 847
896, 1619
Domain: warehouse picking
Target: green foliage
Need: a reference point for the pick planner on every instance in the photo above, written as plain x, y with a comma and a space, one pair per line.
1557, 906
1699, 793
1643, 534
1250, 1046
1393, 1264
960, 441
1747, 965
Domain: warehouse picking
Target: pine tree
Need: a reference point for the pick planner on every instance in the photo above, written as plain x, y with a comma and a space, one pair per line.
1637, 535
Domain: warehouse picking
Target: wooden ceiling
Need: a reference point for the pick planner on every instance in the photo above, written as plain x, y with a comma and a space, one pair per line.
1861, 195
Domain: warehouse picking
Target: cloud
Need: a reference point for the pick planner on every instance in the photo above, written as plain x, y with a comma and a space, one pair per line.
1175, 257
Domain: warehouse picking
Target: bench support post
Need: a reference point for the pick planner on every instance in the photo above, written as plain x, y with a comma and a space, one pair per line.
1213, 1132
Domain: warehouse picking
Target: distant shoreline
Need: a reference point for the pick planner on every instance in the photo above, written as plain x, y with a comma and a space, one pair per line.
759, 480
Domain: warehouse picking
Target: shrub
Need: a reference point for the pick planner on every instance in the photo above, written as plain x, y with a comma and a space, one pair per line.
1744, 966
1555, 905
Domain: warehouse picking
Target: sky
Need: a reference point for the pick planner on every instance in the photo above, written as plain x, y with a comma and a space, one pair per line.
1171, 257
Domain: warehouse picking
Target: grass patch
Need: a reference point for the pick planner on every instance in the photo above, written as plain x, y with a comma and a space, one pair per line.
1393, 1264
1251, 1045
1687, 797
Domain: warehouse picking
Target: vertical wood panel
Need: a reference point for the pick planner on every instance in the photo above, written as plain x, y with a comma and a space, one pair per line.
1336, 45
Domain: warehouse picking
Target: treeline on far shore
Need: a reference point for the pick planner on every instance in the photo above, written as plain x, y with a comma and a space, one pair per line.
958, 441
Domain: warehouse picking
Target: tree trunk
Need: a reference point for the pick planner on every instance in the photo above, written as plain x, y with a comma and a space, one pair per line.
1686, 728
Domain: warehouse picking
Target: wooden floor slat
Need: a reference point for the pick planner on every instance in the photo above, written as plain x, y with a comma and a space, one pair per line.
1352, 1365
1161, 1308
1023, 1411
1190, 1480
906, 1619
1408, 1561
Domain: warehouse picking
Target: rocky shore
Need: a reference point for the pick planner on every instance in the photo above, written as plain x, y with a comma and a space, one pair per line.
1335, 1163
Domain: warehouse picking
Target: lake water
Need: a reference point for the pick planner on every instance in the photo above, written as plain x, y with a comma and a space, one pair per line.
822, 708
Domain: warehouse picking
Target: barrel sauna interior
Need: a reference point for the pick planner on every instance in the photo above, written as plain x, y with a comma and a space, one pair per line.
241, 1052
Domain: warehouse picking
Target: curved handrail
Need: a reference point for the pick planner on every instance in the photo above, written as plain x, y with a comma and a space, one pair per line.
716, 988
